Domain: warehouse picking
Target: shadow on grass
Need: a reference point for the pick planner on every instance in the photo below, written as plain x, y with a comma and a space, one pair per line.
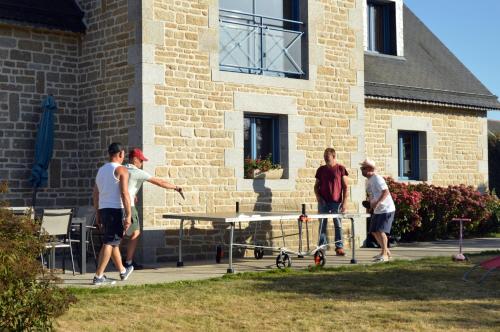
425, 280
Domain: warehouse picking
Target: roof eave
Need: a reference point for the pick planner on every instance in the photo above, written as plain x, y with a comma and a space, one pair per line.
431, 102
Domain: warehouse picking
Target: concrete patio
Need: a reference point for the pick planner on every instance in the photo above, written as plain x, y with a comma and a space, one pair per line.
197, 270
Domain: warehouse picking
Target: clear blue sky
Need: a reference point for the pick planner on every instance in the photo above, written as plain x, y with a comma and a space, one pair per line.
471, 30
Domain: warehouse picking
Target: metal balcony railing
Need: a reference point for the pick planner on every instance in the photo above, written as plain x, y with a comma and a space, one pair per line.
262, 45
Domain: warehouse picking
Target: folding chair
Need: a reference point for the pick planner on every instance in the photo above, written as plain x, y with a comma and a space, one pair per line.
56, 223
489, 265
87, 212
23, 210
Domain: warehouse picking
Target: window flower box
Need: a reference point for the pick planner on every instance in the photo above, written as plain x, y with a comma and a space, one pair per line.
271, 174
262, 169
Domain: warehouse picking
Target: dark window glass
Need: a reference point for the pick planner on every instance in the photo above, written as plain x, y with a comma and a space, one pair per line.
261, 137
409, 159
382, 27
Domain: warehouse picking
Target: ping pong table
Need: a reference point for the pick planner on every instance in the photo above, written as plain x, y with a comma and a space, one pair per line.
231, 218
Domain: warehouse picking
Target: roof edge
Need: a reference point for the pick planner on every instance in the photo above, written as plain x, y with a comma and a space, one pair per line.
428, 102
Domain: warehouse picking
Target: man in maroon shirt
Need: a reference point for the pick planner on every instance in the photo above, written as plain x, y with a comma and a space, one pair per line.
331, 191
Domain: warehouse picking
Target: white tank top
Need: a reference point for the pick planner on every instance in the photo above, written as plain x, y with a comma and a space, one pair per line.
109, 187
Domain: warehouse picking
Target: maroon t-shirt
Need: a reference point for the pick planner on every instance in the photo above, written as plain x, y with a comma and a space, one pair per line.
330, 182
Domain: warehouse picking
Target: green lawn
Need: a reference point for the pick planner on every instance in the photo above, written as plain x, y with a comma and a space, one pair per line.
403, 295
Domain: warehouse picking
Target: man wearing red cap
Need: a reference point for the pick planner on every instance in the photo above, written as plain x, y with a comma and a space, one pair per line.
136, 178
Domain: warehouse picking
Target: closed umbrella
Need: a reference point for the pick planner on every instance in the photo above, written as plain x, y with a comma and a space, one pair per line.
43, 146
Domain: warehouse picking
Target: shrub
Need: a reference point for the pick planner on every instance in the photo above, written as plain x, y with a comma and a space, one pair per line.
425, 212
26, 302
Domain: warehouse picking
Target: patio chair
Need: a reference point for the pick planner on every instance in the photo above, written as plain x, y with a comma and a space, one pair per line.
87, 212
489, 265
23, 210
56, 224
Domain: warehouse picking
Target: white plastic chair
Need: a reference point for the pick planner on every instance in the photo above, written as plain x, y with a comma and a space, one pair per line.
56, 223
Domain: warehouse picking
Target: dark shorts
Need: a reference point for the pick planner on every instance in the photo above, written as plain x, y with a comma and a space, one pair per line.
112, 222
381, 222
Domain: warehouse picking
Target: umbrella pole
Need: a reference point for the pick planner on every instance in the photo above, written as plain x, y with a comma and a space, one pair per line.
33, 199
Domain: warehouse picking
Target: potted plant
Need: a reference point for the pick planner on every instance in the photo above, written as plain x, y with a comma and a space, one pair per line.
262, 169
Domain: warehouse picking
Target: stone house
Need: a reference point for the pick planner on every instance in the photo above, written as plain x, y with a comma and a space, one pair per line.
202, 85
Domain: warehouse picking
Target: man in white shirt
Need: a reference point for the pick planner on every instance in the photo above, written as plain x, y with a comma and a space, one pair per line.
382, 205
137, 176
112, 204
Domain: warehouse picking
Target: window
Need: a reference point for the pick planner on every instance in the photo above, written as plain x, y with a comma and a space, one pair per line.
382, 27
409, 155
262, 37
261, 137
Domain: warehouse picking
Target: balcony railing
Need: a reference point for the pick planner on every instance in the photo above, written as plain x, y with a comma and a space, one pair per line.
262, 45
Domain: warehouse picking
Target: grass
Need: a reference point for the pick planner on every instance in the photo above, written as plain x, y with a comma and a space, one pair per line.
494, 235
402, 295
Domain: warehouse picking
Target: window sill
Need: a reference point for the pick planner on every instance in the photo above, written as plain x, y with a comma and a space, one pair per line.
411, 181
382, 55
259, 80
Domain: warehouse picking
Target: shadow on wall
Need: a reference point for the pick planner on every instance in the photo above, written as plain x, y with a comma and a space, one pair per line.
258, 233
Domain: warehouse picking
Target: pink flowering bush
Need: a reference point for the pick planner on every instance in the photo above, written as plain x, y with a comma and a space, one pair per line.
425, 212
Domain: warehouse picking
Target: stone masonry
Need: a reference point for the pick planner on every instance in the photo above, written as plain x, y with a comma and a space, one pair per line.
456, 140
33, 64
146, 73
195, 100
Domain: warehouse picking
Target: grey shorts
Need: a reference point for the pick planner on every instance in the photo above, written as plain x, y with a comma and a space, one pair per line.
381, 222
135, 226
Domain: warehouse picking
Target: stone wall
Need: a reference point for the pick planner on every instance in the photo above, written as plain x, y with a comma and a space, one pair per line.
456, 146
106, 78
196, 110
33, 64
90, 76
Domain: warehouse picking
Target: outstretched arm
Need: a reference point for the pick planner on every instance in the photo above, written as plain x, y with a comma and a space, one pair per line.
164, 184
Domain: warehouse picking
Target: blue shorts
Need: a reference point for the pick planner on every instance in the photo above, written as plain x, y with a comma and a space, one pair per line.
381, 222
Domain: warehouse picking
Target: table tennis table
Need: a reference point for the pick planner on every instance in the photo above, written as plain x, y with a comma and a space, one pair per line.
231, 218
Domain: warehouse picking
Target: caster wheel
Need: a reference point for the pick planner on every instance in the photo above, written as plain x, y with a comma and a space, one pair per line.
258, 253
283, 261
319, 258
219, 255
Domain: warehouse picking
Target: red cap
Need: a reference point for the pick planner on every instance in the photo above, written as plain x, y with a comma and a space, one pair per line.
138, 154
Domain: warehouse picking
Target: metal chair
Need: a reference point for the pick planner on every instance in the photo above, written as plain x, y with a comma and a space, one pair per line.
87, 212
56, 224
23, 210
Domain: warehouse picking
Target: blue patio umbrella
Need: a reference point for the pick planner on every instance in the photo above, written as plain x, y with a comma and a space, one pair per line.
44, 145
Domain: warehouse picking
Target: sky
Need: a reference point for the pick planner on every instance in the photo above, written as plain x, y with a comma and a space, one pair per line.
471, 30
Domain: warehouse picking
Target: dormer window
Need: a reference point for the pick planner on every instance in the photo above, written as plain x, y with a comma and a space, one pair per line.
381, 26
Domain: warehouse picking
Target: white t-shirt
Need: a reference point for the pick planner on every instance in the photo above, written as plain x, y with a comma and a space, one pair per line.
135, 180
374, 186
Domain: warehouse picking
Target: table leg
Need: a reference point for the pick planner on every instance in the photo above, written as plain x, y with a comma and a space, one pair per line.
180, 263
231, 239
83, 249
300, 255
52, 258
353, 243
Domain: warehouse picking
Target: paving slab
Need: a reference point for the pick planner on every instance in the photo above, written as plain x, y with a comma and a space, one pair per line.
198, 270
